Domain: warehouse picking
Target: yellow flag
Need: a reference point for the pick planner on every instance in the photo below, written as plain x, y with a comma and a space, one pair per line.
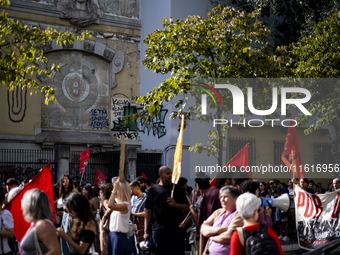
176, 173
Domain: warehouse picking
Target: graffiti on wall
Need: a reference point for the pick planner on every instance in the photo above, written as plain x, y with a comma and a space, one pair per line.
17, 104
99, 119
122, 125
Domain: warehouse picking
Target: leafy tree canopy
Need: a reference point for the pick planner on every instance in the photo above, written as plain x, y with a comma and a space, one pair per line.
20, 53
229, 43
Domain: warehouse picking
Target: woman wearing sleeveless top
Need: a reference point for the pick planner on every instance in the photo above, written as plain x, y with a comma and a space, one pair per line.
37, 210
220, 225
119, 203
84, 226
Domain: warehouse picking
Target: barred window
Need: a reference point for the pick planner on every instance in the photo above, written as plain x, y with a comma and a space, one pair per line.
322, 153
278, 150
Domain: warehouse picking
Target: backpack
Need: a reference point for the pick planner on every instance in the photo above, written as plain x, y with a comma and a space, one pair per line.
258, 241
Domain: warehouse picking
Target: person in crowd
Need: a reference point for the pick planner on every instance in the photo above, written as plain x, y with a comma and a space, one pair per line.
272, 188
220, 225
24, 183
12, 193
6, 225
138, 214
119, 203
141, 181
4, 187
312, 185
76, 186
209, 204
165, 214
84, 226
281, 218
320, 189
88, 193
329, 188
247, 205
202, 185
303, 182
263, 190
183, 182
336, 183
11, 183
252, 187
62, 217
148, 184
37, 210
104, 213
291, 211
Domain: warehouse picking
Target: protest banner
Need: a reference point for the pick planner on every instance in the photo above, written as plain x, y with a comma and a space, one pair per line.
317, 218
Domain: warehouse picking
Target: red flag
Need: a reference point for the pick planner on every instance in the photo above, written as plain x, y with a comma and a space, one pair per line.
42, 181
291, 155
99, 178
240, 159
143, 175
84, 159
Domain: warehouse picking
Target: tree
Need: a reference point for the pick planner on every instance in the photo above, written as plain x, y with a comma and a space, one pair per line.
318, 57
228, 44
289, 20
21, 50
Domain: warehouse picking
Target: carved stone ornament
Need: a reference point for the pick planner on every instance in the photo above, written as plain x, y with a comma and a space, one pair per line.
81, 13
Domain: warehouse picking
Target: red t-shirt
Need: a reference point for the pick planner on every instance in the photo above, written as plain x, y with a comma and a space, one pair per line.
236, 246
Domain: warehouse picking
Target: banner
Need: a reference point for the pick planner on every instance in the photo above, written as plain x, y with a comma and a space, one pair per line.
99, 178
84, 159
42, 181
317, 218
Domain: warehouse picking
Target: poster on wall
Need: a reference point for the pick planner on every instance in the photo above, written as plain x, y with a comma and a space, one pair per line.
317, 218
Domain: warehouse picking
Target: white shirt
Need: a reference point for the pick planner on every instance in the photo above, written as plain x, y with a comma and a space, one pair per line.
6, 222
120, 222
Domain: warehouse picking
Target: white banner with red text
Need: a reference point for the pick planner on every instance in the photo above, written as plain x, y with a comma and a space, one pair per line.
317, 218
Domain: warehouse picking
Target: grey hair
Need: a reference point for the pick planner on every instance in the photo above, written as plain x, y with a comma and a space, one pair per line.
36, 206
336, 179
247, 204
233, 191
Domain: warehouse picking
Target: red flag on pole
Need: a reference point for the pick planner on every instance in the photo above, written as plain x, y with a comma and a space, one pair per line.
99, 178
143, 175
42, 181
291, 155
240, 159
84, 159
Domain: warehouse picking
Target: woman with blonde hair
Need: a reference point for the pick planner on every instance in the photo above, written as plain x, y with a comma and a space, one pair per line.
119, 203
37, 210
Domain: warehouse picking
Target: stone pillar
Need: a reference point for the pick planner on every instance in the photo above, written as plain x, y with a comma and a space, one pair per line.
63, 152
130, 162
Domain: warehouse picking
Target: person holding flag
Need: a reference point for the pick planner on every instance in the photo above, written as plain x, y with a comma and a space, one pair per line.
165, 213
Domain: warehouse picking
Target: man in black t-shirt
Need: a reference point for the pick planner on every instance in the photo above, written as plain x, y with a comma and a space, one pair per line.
165, 213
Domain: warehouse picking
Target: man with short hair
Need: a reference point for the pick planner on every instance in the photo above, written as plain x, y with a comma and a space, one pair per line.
281, 218
165, 213
336, 183
141, 181
138, 213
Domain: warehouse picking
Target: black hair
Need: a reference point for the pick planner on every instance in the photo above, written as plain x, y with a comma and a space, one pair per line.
249, 186
135, 184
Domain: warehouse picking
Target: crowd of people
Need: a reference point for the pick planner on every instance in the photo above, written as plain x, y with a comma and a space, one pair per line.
123, 217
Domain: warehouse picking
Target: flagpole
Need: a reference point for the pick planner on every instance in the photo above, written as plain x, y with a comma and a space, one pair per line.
82, 175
